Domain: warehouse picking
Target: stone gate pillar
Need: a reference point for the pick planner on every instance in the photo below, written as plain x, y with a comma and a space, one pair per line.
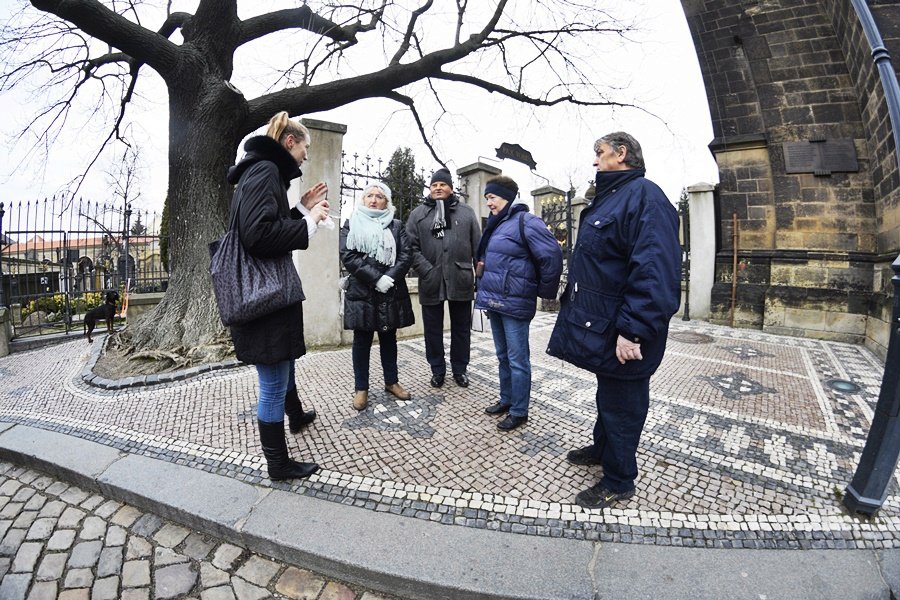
319, 265
471, 180
703, 247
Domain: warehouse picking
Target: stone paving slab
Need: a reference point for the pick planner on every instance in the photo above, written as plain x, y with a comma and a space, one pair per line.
199, 499
632, 571
71, 458
418, 558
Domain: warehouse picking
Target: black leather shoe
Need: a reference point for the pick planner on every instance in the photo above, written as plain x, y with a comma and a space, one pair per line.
437, 380
461, 379
598, 496
497, 409
511, 422
584, 456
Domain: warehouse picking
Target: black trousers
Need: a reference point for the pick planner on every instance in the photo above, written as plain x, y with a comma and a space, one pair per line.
460, 336
622, 407
362, 347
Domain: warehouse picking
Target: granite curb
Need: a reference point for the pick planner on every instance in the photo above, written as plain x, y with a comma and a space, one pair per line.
419, 559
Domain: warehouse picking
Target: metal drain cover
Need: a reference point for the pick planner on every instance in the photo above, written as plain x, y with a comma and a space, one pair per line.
843, 386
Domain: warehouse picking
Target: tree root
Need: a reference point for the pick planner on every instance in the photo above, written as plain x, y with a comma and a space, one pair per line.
123, 357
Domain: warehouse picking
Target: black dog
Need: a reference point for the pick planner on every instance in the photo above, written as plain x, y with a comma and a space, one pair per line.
105, 311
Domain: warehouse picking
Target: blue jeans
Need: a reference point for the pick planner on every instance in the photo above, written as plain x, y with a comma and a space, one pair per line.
622, 407
511, 344
362, 345
273, 385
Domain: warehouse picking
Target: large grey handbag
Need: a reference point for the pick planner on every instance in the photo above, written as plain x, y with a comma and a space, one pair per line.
248, 287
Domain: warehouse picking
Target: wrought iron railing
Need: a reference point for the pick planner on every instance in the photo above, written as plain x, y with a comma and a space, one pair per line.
58, 257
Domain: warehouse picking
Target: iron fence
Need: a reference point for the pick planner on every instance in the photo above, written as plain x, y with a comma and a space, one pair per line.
58, 258
358, 171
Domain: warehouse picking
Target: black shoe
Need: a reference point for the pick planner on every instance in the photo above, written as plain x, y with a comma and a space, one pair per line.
511, 422
278, 462
293, 408
600, 497
584, 456
497, 409
461, 379
437, 380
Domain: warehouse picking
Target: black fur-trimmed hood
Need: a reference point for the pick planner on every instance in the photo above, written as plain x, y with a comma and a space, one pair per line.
260, 148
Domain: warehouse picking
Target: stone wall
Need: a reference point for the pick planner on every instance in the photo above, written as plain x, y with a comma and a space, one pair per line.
812, 247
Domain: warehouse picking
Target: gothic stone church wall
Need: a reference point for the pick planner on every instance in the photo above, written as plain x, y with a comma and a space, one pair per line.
814, 248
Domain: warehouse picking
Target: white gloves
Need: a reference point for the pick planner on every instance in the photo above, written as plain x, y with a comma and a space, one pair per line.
384, 284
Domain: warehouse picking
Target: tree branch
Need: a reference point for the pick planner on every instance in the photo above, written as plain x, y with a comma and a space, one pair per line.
519, 96
304, 18
96, 20
404, 45
174, 22
411, 105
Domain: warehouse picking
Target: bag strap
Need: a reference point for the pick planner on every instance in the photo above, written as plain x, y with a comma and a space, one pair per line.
534, 261
238, 193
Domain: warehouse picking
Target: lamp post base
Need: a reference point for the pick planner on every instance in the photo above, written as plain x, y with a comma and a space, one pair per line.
857, 503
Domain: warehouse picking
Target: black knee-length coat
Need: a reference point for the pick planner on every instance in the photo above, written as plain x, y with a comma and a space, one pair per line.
366, 308
268, 227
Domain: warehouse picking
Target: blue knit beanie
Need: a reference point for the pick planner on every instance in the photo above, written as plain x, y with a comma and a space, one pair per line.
499, 190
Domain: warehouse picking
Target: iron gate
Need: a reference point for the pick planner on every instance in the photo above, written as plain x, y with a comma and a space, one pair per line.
557, 214
58, 258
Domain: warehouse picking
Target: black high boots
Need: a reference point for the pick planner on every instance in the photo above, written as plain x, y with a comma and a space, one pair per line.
297, 418
274, 446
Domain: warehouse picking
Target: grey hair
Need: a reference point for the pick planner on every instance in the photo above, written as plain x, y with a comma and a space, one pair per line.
384, 190
634, 157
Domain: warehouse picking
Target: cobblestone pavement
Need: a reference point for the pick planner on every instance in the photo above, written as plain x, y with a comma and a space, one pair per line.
747, 444
59, 541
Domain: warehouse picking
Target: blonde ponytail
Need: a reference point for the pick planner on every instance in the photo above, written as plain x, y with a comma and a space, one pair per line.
281, 126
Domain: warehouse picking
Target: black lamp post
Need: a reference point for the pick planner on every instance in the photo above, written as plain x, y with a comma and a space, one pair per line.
867, 491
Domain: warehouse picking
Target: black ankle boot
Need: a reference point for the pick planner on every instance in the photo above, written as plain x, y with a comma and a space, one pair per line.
293, 408
274, 446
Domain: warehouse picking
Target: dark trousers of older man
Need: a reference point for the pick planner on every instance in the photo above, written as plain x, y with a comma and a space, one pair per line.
460, 336
622, 407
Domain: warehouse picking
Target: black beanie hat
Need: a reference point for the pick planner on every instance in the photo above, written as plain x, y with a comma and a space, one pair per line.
442, 175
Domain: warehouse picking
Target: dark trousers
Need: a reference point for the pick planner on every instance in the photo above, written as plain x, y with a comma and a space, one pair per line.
362, 346
622, 407
460, 336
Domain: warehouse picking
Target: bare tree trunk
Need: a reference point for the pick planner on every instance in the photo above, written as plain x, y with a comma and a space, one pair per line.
204, 120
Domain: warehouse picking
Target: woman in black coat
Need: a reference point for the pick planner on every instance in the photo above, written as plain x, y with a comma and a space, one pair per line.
269, 228
377, 254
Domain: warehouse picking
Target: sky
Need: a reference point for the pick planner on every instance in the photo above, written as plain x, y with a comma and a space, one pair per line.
656, 68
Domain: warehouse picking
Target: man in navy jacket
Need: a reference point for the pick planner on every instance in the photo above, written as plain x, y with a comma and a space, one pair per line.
624, 285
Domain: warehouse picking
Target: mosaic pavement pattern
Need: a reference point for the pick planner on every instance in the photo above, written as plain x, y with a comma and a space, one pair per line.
746, 445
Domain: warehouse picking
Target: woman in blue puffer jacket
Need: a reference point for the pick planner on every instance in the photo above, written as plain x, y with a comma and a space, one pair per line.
518, 260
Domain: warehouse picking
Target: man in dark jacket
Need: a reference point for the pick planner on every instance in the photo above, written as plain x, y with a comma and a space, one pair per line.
624, 285
444, 233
